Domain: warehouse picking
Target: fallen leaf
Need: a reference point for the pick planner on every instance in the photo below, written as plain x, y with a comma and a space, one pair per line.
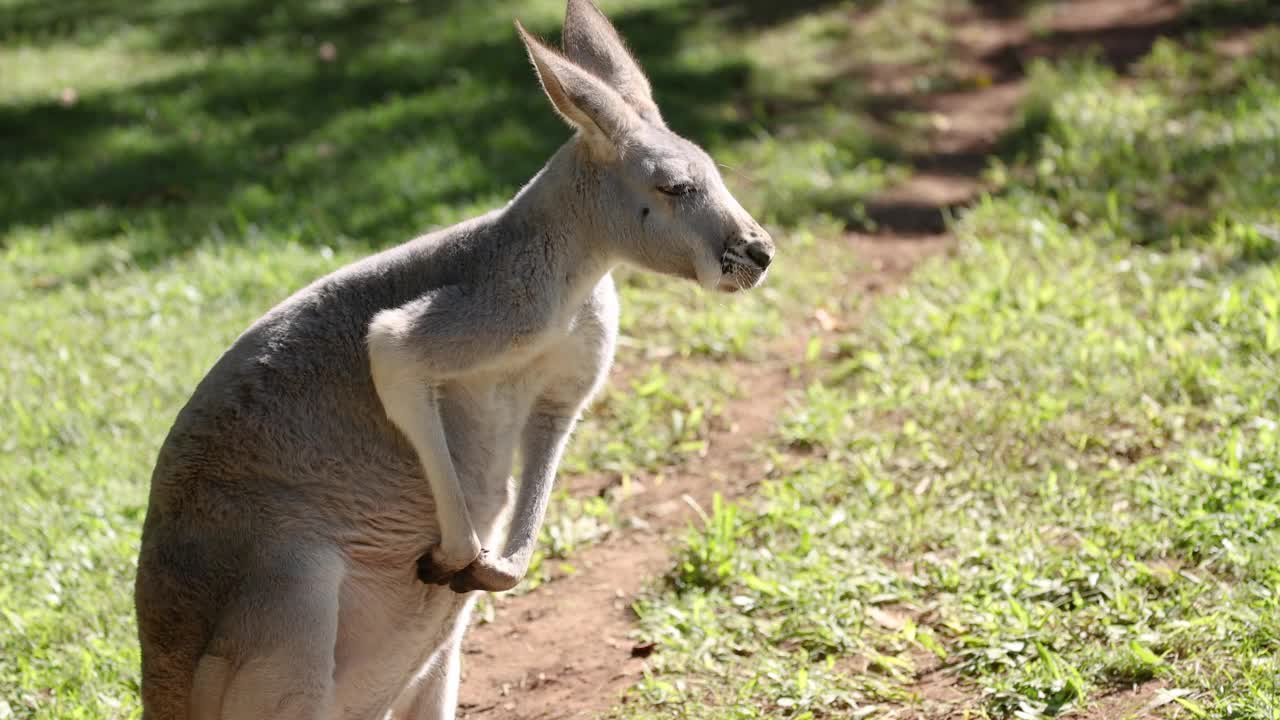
825, 320
885, 619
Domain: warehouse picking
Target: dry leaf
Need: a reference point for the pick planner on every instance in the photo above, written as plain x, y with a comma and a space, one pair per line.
825, 320
886, 619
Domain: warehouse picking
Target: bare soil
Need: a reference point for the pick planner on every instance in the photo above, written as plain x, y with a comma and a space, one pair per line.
566, 649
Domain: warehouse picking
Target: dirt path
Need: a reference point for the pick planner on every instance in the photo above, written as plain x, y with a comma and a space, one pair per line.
565, 650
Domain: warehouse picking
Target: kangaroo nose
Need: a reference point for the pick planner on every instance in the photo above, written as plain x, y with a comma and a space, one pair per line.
760, 254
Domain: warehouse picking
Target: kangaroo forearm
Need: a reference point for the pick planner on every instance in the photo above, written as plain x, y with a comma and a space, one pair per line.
544, 442
409, 397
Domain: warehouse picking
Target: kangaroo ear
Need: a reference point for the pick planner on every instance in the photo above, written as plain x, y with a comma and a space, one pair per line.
582, 98
591, 41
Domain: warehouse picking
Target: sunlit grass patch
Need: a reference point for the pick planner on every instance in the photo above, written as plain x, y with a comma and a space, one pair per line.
65, 74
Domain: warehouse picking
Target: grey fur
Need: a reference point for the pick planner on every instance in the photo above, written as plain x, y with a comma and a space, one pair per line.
358, 439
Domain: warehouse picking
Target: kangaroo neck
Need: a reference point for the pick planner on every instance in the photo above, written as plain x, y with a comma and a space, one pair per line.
556, 214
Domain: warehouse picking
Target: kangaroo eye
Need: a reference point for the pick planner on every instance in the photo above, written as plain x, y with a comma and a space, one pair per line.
677, 190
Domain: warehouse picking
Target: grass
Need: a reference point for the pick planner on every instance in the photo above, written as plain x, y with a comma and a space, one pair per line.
1052, 464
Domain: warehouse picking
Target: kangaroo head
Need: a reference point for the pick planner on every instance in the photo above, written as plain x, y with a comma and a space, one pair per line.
658, 196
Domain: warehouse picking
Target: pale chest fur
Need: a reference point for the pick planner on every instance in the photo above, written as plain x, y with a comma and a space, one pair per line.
484, 415
389, 622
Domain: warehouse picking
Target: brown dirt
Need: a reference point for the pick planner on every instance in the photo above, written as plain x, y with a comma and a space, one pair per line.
942, 694
939, 692
566, 649
1141, 702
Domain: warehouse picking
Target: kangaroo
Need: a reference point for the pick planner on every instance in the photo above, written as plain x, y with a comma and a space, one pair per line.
339, 484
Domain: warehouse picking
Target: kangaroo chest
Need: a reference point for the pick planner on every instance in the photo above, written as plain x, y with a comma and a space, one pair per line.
485, 416
483, 420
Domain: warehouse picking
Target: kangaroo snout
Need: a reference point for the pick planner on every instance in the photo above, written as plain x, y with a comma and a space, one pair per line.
753, 243
760, 253
748, 254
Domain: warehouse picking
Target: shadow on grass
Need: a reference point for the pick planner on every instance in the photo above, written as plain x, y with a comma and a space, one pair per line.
1118, 45
364, 122
1125, 40
367, 121
762, 13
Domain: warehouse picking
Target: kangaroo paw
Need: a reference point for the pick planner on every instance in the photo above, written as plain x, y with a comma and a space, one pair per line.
434, 568
494, 574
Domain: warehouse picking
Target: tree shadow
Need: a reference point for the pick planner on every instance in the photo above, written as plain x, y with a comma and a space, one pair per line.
1119, 45
1124, 42
368, 121
762, 13
1005, 8
206, 24
378, 140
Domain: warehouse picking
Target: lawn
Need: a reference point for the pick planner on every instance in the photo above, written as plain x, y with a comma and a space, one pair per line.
1049, 465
